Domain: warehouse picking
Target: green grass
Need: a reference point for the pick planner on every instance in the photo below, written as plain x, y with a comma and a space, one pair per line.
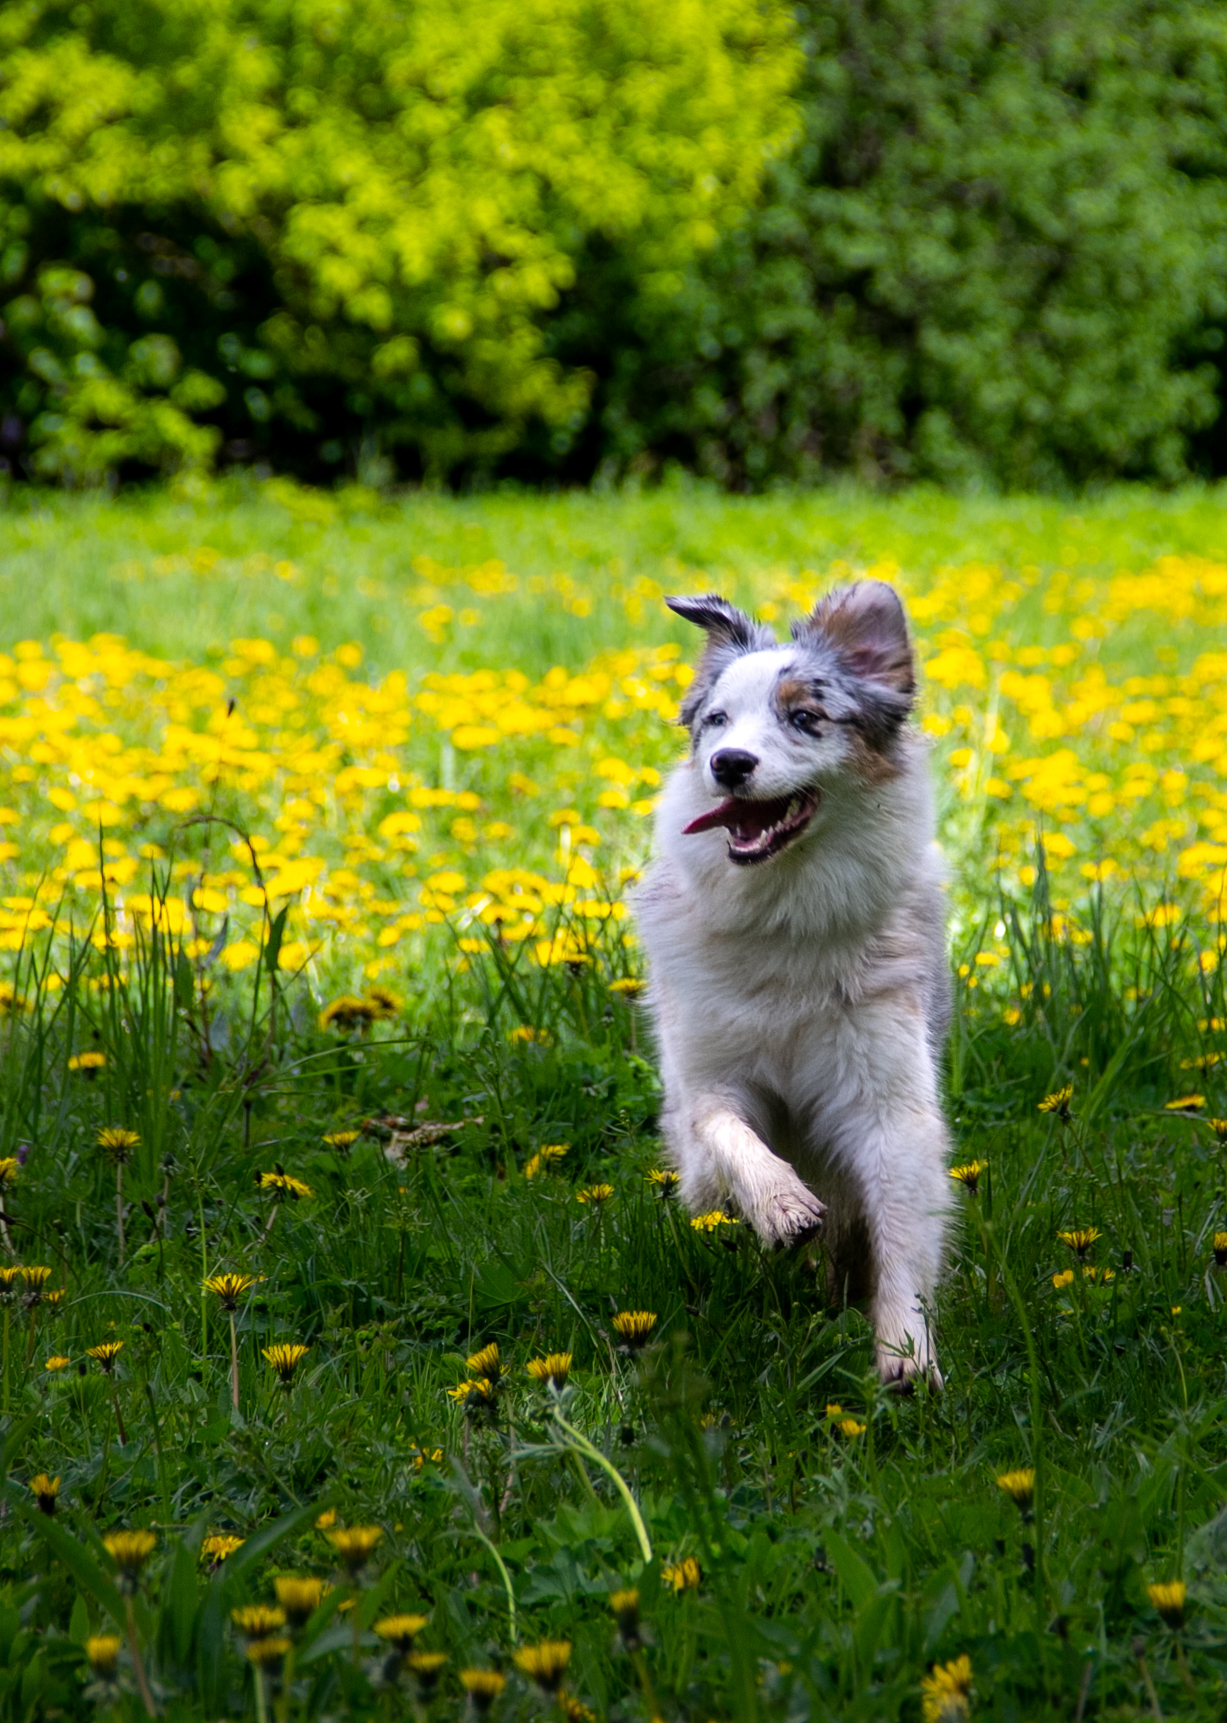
836, 1569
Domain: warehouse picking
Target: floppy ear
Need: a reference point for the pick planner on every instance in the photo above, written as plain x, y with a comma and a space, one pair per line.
725, 624
867, 626
730, 632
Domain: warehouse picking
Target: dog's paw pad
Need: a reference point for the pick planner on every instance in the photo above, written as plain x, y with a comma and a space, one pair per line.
792, 1218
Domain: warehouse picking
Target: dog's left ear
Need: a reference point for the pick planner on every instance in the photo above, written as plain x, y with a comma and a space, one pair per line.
867, 626
725, 625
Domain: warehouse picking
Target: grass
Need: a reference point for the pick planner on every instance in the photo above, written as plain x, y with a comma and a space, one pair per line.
449, 859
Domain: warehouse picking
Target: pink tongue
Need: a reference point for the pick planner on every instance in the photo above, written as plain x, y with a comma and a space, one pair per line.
749, 819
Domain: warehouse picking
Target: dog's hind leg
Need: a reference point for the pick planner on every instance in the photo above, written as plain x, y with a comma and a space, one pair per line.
720, 1156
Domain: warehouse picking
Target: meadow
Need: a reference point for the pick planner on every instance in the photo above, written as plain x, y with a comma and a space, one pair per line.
358, 1360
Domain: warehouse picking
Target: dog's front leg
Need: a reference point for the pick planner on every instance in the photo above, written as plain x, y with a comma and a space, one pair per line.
906, 1201
723, 1156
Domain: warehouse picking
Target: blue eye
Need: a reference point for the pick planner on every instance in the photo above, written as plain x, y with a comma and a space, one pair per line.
804, 721
715, 720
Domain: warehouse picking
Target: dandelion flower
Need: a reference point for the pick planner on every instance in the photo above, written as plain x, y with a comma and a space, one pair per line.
1185, 1104
947, 1692
1064, 1279
87, 1064
712, 1221
969, 1175
385, 1002
684, 1575
45, 1490
1169, 1601
57, 1362
546, 1663
1058, 1101
474, 1395
625, 1607
342, 1139
326, 1519
231, 1287
10, 1166
554, 1368
284, 1186
483, 1687
105, 1354
285, 1359
546, 1158
595, 1194
1080, 1238
851, 1428
664, 1180
102, 1654
574, 1710
118, 1143
629, 987
355, 1545
130, 1551
36, 1277
257, 1620
427, 1666
485, 1362
9, 1276
1020, 1487
401, 1630
348, 1013
1219, 1247
268, 1653
634, 1327
218, 1545
300, 1595
1219, 1127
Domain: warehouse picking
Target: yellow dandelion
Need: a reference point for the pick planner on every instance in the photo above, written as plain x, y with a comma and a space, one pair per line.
483, 1687
1219, 1127
545, 1663
595, 1194
664, 1180
57, 1362
574, 1710
1019, 1485
1064, 1279
10, 1166
1219, 1247
130, 1551
684, 1575
45, 1490
427, 1666
282, 1185
969, 1175
634, 1327
268, 1653
1169, 1600
401, 1630
946, 1692
546, 1158
712, 1221
625, 1607
1057, 1102
218, 1545
229, 1288
630, 987
1080, 1238
9, 1276
36, 1276
485, 1362
355, 1545
87, 1064
105, 1354
257, 1620
118, 1143
851, 1428
348, 1013
326, 1519
284, 1358
553, 1369
1185, 1104
342, 1139
300, 1595
473, 1395
102, 1654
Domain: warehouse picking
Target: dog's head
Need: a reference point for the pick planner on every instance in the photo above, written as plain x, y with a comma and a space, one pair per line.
771, 723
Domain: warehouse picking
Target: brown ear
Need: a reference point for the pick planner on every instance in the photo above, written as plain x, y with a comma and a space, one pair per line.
867, 626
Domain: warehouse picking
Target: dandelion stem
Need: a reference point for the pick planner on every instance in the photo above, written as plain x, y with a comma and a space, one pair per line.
142, 1680
269, 1227
506, 1579
119, 1209
119, 1423
234, 1364
6, 1360
261, 1707
594, 1454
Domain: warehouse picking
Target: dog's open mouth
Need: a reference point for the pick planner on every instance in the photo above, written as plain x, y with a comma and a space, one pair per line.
759, 830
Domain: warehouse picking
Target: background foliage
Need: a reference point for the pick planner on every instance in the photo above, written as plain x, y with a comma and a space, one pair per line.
974, 241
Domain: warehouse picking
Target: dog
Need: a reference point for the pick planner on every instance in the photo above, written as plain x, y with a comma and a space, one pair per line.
793, 923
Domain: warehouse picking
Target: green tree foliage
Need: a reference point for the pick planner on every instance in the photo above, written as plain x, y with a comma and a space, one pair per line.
996, 254
259, 224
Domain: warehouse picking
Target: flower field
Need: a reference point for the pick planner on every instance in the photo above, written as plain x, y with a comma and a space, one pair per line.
338, 1256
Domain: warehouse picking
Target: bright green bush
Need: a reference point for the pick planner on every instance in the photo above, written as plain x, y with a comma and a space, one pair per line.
296, 223
996, 254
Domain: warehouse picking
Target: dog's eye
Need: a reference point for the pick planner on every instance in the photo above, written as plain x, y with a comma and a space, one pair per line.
715, 720
804, 721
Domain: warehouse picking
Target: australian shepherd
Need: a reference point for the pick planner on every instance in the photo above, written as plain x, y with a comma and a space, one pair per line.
793, 922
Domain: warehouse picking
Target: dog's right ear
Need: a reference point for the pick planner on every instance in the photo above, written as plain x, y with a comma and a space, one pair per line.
724, 623
730, 632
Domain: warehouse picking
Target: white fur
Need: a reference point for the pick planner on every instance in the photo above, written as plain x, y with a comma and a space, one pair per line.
799, 1002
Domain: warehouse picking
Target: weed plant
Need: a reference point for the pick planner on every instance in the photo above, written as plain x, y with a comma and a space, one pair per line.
307, 1227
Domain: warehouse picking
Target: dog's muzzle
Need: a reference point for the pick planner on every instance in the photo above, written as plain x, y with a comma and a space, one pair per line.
759, 830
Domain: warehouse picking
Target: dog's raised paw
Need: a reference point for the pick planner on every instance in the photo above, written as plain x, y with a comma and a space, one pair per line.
790, 1218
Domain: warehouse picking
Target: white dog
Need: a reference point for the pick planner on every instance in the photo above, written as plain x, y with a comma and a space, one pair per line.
793, 922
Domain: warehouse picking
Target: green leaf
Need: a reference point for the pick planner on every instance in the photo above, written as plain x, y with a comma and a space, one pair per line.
276, 933
75, 1557
855, 1572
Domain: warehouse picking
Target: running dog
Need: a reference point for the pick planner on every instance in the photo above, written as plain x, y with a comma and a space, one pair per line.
797, 978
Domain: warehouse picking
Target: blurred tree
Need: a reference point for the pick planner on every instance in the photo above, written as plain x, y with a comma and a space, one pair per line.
333, 231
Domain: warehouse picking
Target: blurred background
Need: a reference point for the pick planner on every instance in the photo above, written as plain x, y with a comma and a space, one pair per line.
559, 242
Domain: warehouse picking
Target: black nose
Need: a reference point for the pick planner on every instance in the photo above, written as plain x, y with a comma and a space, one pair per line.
730, 767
